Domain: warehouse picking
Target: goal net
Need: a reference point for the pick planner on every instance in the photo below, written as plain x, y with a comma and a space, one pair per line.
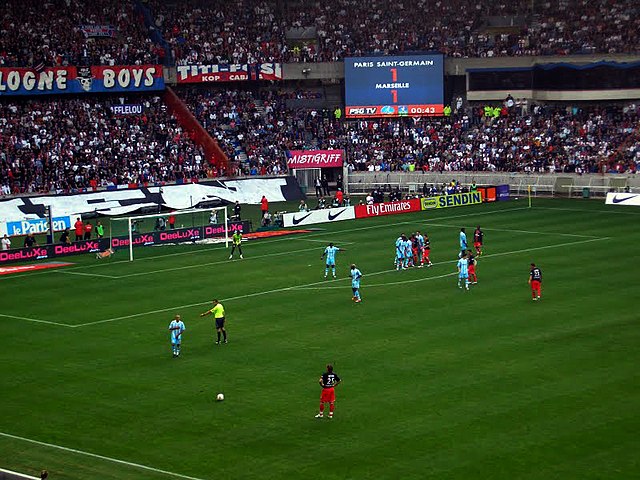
171, 227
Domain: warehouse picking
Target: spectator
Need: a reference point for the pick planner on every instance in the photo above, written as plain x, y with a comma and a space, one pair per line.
30, 241
99, 229
236, 210
65, 238
172, 221
88, 228
6, 242
79, 228
264, 205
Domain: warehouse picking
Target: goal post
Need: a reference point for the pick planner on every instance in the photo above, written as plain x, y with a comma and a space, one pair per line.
136, 227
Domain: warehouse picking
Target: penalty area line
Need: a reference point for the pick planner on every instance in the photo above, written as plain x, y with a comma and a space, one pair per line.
386, 284
36, 320
101, 457
299, 287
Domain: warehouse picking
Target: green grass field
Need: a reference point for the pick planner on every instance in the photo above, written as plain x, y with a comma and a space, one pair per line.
438, 383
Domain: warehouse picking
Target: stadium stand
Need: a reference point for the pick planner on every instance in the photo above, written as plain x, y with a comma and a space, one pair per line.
74, 32
65, 144
257, 128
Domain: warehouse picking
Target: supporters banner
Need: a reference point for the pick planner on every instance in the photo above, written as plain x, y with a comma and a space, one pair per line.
453, 200
314, 158
623, 199
318, 216
128, 200
101, 31
388, 208
27, 81
234, 72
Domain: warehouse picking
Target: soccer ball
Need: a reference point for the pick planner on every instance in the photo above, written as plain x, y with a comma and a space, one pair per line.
220, 397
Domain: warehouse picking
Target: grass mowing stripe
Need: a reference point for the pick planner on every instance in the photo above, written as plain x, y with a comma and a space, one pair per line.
101, 457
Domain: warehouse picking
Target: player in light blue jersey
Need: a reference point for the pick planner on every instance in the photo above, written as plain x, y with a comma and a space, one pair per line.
330, 253
397, 261
407, 252
176, 327
420, 240
400, 251
463, 243
463, 271
355, 275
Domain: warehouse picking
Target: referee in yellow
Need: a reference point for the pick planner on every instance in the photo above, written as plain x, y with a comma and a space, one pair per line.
218, 314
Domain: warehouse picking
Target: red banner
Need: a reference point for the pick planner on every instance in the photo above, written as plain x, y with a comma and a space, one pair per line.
315, 158
388, 208
228, 73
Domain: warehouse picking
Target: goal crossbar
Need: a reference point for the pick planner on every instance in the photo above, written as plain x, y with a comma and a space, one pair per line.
190, 211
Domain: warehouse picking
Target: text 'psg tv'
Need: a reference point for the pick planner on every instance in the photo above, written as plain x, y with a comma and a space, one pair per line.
406, 86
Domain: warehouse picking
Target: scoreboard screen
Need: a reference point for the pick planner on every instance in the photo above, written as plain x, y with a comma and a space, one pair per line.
410, 86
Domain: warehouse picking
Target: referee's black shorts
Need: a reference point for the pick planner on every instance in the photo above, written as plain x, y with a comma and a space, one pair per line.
220, 322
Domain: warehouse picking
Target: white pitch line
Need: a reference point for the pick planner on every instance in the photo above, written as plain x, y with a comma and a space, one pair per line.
322, 241
298, 287
369, 285
99, 275
287, 238
337, 233
577, 235
586, 210
17, 475
101, 457
217, 262
36, 320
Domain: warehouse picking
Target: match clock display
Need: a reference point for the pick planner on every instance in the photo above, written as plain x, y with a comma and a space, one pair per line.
409, 86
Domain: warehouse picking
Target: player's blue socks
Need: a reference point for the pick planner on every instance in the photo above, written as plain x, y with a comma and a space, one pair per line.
326, 272
333, 271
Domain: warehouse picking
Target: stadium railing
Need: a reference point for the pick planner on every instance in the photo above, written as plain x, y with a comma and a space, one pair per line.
548, 184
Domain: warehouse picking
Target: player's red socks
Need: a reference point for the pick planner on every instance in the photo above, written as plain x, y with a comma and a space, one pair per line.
322, 408
332, 407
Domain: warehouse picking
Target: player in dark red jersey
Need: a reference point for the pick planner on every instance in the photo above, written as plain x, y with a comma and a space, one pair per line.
472, 262
478, 237
535, 280
328, 381
426, 250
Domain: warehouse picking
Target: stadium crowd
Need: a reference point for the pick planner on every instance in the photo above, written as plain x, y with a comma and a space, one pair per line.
536, 139
66, 144
458, 28
209, 32
60, 32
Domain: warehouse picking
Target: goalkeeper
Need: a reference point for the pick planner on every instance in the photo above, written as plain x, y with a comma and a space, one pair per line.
236, 242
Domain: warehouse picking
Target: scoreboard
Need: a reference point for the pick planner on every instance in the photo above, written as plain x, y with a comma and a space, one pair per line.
410, 86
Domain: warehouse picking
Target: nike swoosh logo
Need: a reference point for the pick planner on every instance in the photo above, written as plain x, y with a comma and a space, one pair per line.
296, 221
618, 200
333, 217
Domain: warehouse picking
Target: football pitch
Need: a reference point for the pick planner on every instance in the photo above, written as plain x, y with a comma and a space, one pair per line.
438, 382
